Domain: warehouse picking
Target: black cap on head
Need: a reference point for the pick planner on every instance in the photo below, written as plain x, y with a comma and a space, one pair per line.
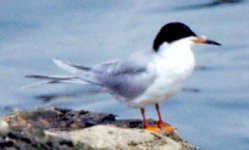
172, 32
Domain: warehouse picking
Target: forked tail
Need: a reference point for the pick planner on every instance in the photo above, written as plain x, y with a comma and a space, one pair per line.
79, 75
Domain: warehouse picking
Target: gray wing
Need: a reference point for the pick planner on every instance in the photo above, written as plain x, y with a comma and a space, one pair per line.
128, 78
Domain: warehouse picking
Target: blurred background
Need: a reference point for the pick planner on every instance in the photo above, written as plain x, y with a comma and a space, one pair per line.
212, 114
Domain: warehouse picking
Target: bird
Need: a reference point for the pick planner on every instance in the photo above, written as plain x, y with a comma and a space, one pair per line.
146, 77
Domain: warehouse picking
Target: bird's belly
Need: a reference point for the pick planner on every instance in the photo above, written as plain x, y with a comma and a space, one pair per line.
160, 90
166, 85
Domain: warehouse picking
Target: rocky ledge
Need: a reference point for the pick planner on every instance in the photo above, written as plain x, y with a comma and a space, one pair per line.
55, 128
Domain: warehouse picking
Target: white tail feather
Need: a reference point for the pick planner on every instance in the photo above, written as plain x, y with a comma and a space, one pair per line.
53, 80
69, 67
34, 84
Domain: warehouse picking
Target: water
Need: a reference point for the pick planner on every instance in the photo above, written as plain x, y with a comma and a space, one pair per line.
88, 32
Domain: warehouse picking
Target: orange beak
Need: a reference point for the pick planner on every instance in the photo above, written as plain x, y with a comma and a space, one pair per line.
202, 40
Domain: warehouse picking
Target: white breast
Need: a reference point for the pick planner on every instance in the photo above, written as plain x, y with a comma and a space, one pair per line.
173, 65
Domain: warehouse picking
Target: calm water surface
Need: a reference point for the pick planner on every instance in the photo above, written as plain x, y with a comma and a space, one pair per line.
214, 117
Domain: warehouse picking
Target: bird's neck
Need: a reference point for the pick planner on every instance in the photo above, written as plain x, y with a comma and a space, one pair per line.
181, 47
176, 55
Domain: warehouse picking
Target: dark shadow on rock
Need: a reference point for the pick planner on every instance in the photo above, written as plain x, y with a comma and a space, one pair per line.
58, 118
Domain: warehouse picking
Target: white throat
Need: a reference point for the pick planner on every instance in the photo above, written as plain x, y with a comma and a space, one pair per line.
182, 47
176, 58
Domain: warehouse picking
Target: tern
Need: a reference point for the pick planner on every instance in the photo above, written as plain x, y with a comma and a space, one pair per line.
146, 77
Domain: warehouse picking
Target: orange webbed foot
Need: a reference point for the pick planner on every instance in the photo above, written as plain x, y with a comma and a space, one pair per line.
153, 128
165, 127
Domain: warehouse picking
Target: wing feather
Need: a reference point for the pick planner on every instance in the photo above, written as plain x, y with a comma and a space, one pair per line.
126, 78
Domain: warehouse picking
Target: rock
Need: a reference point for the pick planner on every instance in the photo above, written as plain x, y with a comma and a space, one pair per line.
36, 139
54, 128
112, 138
3, 125
55, 118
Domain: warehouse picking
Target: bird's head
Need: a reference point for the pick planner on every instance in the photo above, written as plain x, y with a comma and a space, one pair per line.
175, 31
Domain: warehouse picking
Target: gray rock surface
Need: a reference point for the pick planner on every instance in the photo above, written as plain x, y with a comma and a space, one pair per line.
115, 138
55, 128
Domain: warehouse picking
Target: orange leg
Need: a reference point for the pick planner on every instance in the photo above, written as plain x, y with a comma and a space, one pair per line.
146, 125
161, 124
